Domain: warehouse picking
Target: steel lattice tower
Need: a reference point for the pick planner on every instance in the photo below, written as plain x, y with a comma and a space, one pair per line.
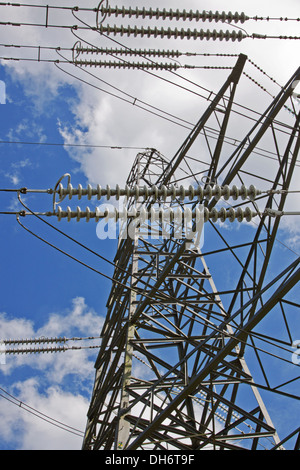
181, 365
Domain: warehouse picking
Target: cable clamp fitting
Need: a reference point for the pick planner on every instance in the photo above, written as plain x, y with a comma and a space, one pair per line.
273, 213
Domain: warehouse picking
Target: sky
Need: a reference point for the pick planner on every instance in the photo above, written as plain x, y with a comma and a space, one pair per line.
56, 118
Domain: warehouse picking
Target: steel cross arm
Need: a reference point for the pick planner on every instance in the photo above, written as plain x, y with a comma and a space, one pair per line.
228, 320
151, 295
268, 117
170, 169
181, 153
286, 185
199, 378
244, 415
297, 445
158, 283
272, 234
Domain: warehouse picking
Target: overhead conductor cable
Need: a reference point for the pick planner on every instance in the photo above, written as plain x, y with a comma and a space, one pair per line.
150, 14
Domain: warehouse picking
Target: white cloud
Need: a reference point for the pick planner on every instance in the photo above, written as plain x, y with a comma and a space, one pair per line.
79, 317
102, 119
15, 327
51, 375
27, 131
16, 173
13, 178
27, 429
79, 321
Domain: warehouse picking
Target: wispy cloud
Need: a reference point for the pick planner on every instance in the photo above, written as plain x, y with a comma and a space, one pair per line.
34, 428
14, 175
27, 130
52, 375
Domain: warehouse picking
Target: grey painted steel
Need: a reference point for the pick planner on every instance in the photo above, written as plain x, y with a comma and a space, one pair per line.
188, 352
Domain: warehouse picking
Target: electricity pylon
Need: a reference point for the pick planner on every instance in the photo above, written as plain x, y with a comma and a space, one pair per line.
187, 345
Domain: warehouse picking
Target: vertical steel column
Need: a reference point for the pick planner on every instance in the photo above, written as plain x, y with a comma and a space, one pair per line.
123, 431
123, 425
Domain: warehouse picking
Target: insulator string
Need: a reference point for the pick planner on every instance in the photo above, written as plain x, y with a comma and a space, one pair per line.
169, 214
130, 65
130, 52
48, 350
158, 14
164, 14
171, 33
43, 339
174, 14
156, 192
144, 65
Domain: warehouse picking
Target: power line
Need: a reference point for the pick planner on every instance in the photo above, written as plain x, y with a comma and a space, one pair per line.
154, 65
135, 101
62, 144
49, 349
212, 326
120, 65
133, 289
140, 66
268, 18
44, 339
162, 78
158, 32
38, 414
274, 342
164, 14
79, 49
72, 257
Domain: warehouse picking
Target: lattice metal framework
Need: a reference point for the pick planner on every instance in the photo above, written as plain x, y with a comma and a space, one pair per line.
188, 357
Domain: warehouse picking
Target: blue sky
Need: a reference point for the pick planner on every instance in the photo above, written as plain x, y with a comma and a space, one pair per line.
43, 292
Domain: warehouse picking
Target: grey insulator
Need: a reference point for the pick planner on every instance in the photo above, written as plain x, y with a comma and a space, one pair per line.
176, 33
174, 14
161, 192
170, 214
